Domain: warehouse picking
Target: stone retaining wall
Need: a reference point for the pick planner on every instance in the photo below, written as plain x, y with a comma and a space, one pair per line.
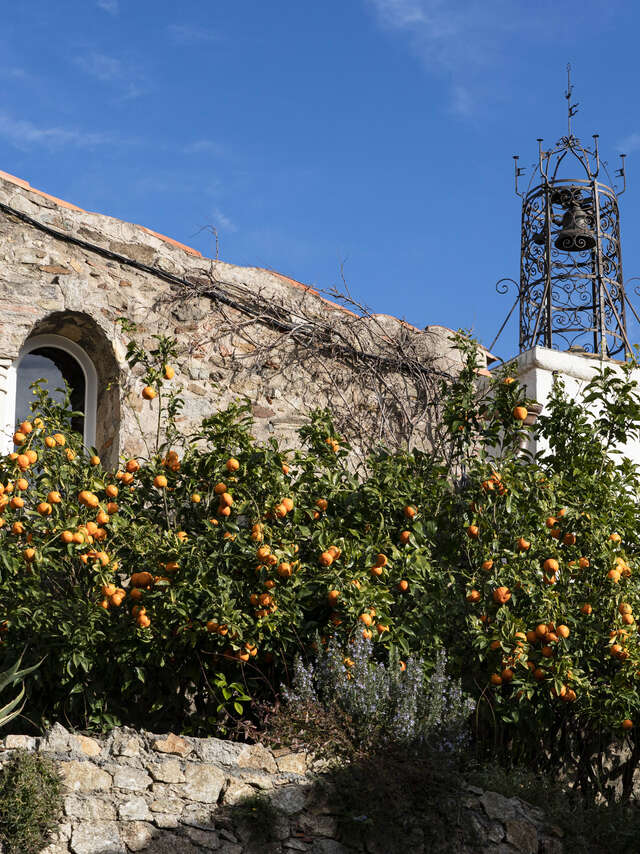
178, 795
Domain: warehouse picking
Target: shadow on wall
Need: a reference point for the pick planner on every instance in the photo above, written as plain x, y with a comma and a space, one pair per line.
383, 805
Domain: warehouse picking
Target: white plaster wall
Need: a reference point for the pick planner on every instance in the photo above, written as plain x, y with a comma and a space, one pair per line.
536, 371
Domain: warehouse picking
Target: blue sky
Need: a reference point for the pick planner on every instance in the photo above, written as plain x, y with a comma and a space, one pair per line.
373, 135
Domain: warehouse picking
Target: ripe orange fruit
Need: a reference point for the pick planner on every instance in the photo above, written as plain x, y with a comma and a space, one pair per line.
26, 427
141, 579
322, 504
182, 536
496, 679
169, 373
520, 413
547, 651
532, 637
288, 504
143, 621
487, 565
22, 484
501, 595
148, 393
17, 528
16, 502
583, 563
19, 438
285, 470
132, 466
59, 439
404, 537
586, 609
31, 456
160, 481
410, 511
615, 538
563, 631
325, 559
232, 464
366, 619
29, 554
627, 724
625, 608
50, 442
507, 674
551, 565
54, 498
195, 498
23, 461
285, 570
473, 596
614, 575
403, 586
473, 531
523, 545
569, 539
226, 500
66, 537
44, 508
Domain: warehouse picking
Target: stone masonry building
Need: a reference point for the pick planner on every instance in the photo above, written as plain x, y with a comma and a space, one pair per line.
67, 275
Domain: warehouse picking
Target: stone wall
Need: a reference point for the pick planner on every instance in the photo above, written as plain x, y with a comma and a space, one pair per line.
165, 794
241, 331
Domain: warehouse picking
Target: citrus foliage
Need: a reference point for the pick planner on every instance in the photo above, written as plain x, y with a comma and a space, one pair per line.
169, 591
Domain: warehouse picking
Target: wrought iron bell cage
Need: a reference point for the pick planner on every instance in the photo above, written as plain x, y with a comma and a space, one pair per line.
571, 291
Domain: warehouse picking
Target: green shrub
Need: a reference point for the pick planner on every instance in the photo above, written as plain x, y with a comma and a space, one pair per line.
30, 802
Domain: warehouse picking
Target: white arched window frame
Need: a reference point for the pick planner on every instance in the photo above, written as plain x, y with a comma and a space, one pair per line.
90, 387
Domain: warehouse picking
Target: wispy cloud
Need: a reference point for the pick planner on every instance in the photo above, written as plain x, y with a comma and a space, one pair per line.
24, 134
188, 34
203, 146
101, 66
457, 39
221, 220
629, 143
109, 6
111, 69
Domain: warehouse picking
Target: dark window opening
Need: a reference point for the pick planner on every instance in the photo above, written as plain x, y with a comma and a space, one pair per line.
57, 367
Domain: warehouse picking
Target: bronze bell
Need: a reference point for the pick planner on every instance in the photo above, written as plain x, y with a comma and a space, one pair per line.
575, 234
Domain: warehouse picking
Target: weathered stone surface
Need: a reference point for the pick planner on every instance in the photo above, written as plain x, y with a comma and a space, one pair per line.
98, 837
218, 752
173, 744
19, 742
81, 776
522, 835
167, 820
89, 809
58, 740
172, 805
292, 763
328, 846
125, 743
205, 838
203, 783
88, 746
498, 807
289, 799
168, 771
257, 756
137, 835
131, 778
134, 809
236, 792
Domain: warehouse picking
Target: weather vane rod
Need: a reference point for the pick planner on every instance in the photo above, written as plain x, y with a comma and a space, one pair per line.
572, 109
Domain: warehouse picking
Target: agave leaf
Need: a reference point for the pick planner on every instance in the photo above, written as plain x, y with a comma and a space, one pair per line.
14, 674
9, 712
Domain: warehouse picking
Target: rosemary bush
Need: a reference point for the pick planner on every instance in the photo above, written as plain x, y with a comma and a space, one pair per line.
377, 703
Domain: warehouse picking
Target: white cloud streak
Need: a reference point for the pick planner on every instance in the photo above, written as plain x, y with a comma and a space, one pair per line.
457, 39
24, 134
187, 34
111, 7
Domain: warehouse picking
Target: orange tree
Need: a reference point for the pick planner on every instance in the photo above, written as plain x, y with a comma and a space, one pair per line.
163, 592
548, 550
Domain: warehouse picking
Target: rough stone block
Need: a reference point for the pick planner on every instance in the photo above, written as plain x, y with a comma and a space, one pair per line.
99, 837
81, 776
173, 744
131, 778
292, 763
19, 742
135, 809
203, 783
205, 838
166, 772
88, 746
522, 835
89, 809
137, 835
257, 756
289, 799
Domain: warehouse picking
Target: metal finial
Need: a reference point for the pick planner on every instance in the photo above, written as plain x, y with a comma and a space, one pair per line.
572, 109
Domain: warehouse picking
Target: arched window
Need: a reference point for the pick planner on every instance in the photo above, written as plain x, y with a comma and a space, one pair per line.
58, 360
